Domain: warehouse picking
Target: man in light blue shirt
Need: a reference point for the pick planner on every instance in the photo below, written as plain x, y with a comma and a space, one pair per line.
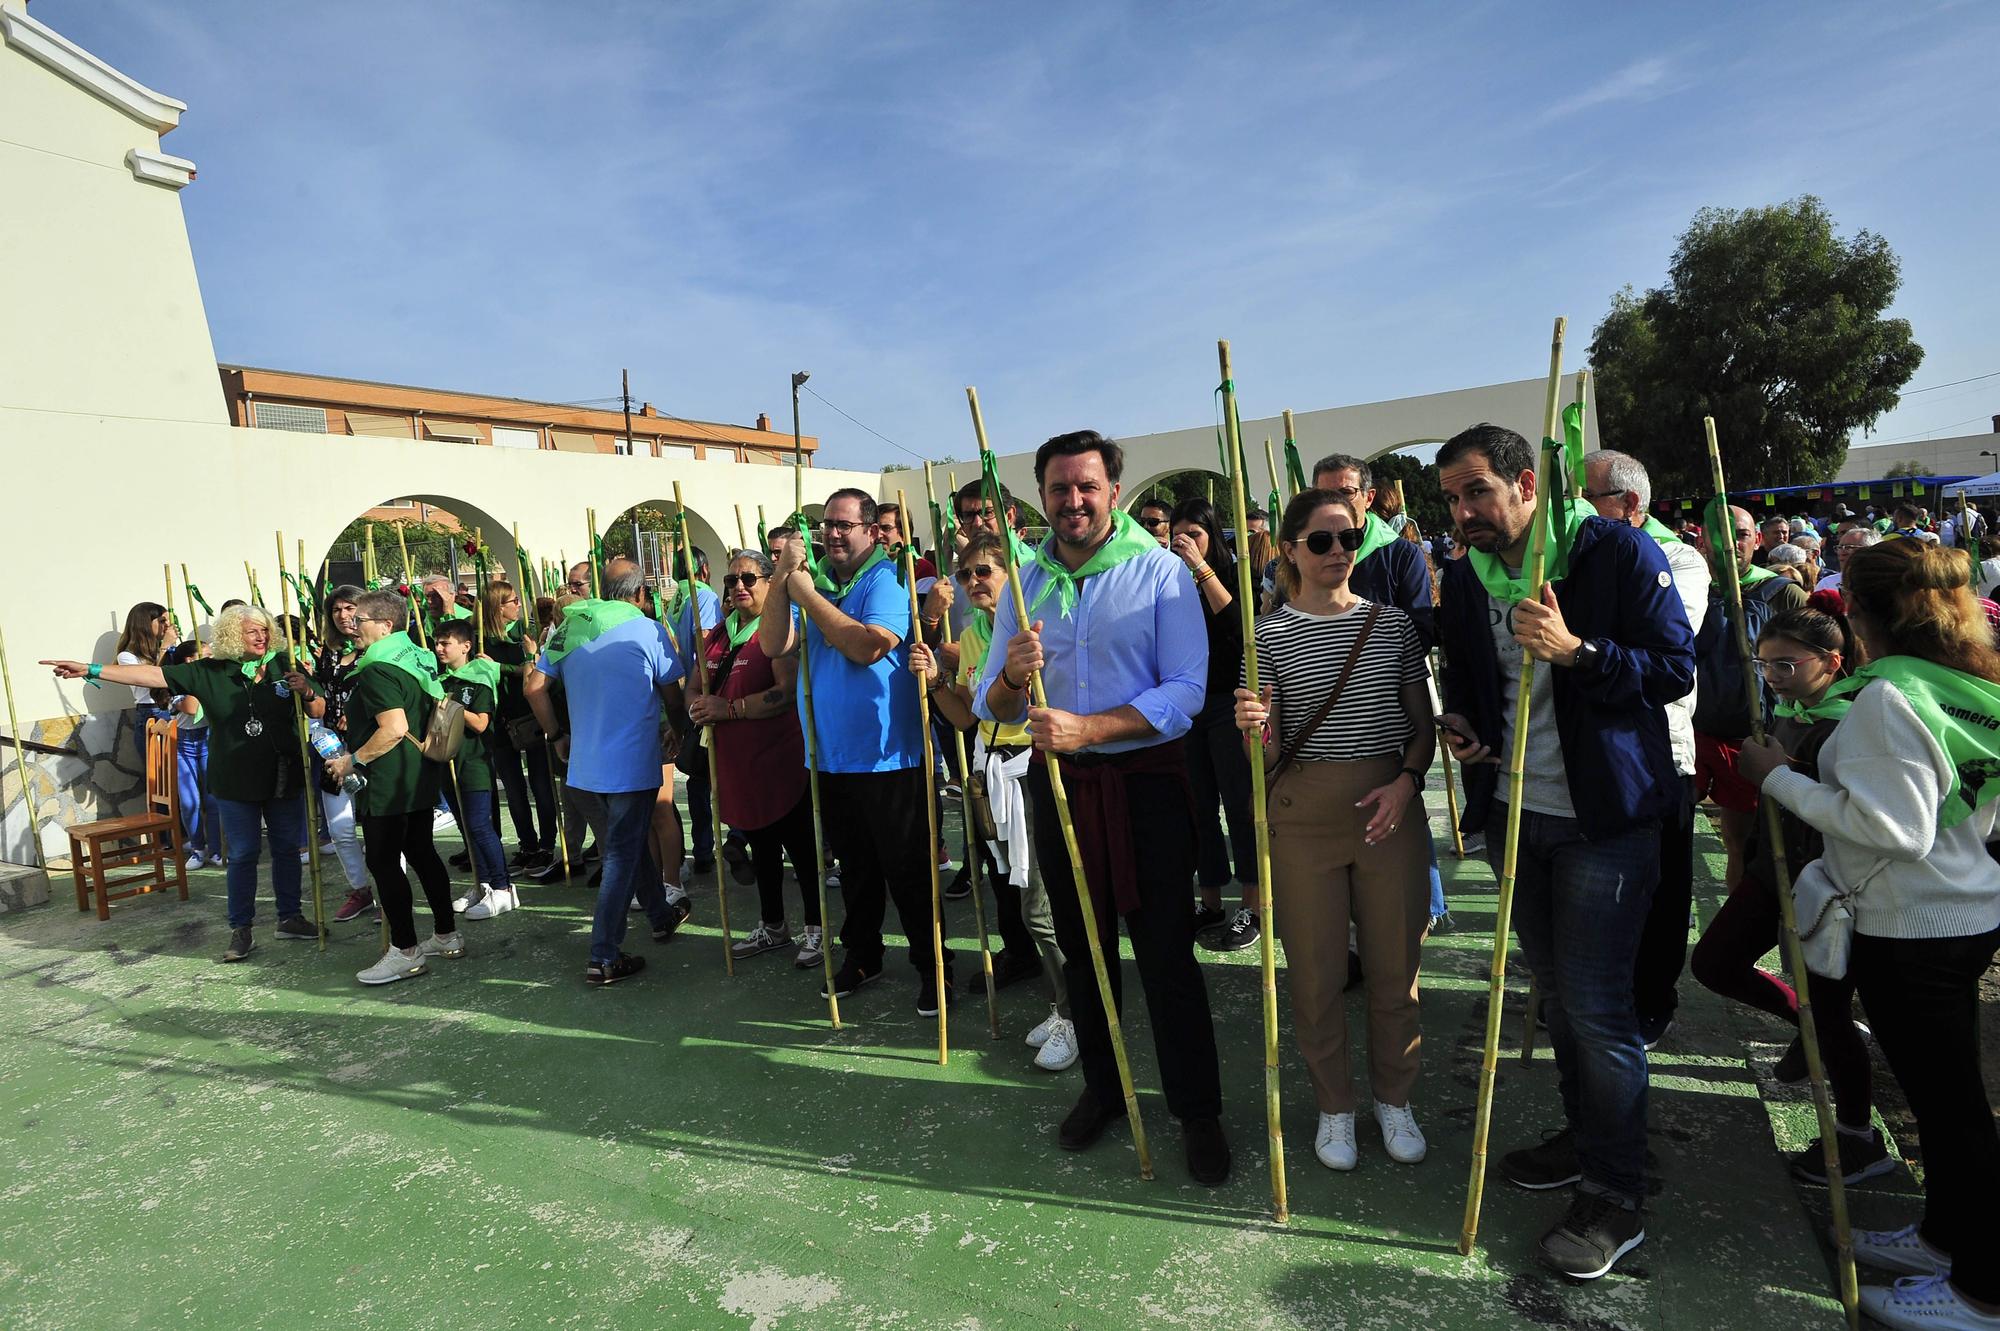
1117, 632
689, 639
616, 667
868, 737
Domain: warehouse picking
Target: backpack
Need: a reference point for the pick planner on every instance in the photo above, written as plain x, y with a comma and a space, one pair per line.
1719, 706
445, 734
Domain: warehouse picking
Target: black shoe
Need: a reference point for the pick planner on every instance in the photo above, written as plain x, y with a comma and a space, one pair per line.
1590, 1238
1652, 1030
678, 910
1861, 1158
927, 995
1207, 1151
549, 872
297, 926
1354, 975
530, 860
523, 857
850, 977
960, 887
1553, 1164
1441, 924
702, 864
462, 860
1239, 933
1791, 1069
735, 851
624, 965
1087, 1121
588, 854
1012, 968
240, 945
1209, 917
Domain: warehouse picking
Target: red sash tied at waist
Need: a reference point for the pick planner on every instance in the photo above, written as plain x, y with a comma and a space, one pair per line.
1100, 810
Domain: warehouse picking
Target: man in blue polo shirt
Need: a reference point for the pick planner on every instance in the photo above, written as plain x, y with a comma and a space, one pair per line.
616, 667
869, 738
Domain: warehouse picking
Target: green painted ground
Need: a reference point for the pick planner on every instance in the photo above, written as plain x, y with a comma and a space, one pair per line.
268, 1144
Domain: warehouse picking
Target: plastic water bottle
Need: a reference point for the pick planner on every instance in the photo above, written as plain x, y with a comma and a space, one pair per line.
328, 745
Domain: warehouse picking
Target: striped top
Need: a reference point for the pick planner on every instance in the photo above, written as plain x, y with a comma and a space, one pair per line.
1300, 656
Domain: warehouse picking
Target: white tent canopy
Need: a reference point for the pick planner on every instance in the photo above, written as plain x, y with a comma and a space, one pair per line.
1980, 488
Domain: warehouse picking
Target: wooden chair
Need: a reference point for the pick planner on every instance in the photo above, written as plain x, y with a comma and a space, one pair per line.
98, 850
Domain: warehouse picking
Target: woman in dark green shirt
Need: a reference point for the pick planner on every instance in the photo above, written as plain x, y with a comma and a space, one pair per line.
395, 688
254, 770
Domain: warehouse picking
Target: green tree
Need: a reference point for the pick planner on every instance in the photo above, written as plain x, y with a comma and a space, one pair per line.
1905, 469
1772, 324
1423, 500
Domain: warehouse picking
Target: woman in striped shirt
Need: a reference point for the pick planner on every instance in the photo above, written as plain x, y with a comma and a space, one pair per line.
1346, 816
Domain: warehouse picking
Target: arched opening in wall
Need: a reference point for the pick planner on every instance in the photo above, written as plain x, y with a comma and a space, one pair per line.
1171, 487
645, 532
442, 535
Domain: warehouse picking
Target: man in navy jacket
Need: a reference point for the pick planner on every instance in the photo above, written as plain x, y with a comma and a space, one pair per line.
1612, 647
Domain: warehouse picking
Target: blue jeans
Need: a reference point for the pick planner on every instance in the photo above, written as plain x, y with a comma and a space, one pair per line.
477, 821
243, 825
629, 870
1438, 906
203, 833
1579, 909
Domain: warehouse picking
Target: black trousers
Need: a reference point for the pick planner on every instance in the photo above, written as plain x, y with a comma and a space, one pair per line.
1663, 946
1162, 933
1922, 997
1219, 771
885, 854
387, 840
791, 835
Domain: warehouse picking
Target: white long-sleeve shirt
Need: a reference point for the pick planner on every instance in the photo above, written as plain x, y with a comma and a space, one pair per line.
1882, 778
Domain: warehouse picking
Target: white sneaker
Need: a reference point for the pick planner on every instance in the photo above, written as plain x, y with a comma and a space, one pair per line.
811, 949
1924, 1303
468, 899
1059, 1049
442, 945
1335, 1143
194, 862
395, 965
1401, 1137
1039, 1036
497, 902
1902, 1250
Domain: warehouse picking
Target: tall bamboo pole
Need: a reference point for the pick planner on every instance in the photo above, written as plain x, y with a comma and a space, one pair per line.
1277, 486
1582, 400
1246, 609
370, 571
21, 761
763, 532
1517, 761
1795, 957
932, 846
596, 577
311, 793
194, 631
806, 706
478, 598
173, 618
250, 576
972, 857
1038, 693
742, 542
698, 654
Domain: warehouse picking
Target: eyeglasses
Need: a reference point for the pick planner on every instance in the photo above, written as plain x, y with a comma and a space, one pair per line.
1152, 524
578, 585
1341, 491
745, 580
1320, 542
1784, 667
370, 619
512, 600
833, 528
1594, 495
982, 514
966, 575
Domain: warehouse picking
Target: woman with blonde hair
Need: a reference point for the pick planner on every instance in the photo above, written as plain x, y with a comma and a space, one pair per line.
254, 771
1905, 900
1344, 726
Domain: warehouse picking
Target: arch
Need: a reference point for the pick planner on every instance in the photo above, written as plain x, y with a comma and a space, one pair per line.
706, 535
472, 519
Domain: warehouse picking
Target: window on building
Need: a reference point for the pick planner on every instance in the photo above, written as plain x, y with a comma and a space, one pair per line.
685, 452
506, 436
622, 445
285, 416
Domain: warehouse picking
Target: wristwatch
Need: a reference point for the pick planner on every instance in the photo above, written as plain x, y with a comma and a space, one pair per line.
1416, 778
1588, 655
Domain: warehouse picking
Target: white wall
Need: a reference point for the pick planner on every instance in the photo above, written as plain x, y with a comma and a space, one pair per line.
1959, 455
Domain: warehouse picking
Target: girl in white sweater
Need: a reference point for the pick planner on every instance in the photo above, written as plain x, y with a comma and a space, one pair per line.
1905, 803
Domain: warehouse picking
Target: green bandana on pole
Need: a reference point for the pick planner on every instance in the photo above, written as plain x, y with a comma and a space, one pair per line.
398, 651
1295, 472
1128, 540
1572, 418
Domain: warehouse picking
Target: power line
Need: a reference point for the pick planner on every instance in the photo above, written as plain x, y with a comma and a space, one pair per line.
1930, 388
872, 430
1936, 429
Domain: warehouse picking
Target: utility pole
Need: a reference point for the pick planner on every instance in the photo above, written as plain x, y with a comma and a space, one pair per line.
625, 383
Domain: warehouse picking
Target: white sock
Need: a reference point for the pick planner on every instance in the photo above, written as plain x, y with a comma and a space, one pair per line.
1864, 1133
674, 891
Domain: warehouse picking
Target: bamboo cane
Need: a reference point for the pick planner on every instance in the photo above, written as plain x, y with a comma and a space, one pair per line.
325, 591
167, 573
21, 761
698, 653
478, 597
972, 868
194, 630
806, 706
1510, 862
1291, 442
1582, 400
1277, 487
1444, 747
1038, 693
1246, 608
763, 532
250, 576
370, 571
548, 749
311, 795
596, 581
932, 846
742, 542
1795, 957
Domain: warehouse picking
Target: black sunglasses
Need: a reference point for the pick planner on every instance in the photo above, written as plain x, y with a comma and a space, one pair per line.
1319, 542
976, 571
748, 580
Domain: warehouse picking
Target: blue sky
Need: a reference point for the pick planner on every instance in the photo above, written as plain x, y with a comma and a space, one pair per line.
1065, 205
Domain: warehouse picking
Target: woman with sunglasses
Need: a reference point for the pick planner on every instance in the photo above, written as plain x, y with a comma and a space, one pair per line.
1000, 754
515, 742
760, 759
1345, 717
1801, 654
1218, 765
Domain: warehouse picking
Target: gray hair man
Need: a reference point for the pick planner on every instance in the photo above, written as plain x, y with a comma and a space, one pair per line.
1854, 536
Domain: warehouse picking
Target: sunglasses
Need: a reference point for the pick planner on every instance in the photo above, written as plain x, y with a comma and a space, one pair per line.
966, 575
745, 580
974, 514
1319, 542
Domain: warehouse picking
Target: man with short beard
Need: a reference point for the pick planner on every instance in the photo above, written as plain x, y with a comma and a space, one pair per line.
1116, 629
1613, 648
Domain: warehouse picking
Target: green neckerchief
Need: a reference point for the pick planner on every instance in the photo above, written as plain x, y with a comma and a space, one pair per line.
740, 633
977, 638
480, 670
396, 649
1375, 534
1961, 711
1659, 531
456, 611
585, 621
1512, 588
253, 664
1128, 540
1754, 574
1832, 705
826, 582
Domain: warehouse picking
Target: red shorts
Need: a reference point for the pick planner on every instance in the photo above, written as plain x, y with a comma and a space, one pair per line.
1716, 777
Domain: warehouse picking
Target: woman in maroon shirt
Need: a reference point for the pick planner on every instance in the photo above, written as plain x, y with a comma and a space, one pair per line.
760, 759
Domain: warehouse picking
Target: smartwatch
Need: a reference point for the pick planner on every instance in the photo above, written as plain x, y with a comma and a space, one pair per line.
1416, 778
1588, 656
